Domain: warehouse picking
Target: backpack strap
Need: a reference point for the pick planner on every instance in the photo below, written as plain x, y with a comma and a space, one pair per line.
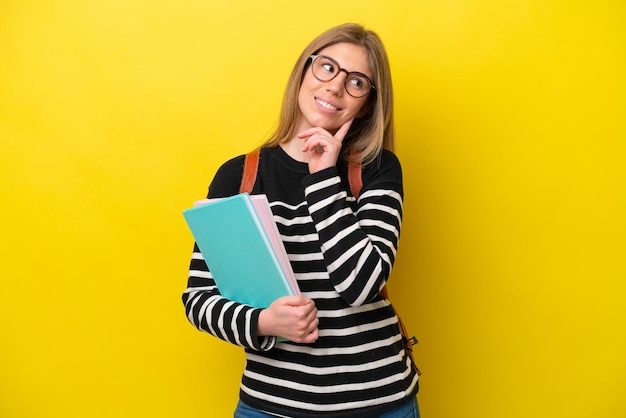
250, 170
355, 180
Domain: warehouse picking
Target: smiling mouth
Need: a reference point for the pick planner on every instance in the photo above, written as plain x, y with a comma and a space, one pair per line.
326, 105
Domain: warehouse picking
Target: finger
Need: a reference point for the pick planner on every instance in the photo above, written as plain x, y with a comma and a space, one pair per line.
309, 144
313, 320
307, 314
316, 143
306, 309
312, 131
304, 134
306, 304
298, 300
315, 324
341, 133
306, 337
312, 337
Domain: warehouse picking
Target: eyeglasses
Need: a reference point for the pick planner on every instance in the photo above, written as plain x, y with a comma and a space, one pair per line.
325, 69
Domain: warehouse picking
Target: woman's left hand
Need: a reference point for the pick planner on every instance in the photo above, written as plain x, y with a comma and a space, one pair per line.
323, 147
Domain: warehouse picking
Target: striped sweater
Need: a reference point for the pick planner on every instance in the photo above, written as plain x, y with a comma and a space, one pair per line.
342, 252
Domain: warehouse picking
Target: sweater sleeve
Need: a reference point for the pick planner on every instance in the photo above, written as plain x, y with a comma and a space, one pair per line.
359, 246
206, 309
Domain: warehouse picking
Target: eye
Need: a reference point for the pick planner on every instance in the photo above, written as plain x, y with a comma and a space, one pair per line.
358, 82
327, 65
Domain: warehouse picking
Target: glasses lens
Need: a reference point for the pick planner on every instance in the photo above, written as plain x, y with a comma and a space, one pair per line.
357, 85
324, 68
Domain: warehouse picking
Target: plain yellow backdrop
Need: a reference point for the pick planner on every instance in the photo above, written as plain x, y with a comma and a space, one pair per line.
114, 116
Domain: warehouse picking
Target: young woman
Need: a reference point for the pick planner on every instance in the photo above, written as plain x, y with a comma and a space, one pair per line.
344, 355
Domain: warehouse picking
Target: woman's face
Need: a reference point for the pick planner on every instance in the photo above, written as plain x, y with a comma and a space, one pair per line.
326, 104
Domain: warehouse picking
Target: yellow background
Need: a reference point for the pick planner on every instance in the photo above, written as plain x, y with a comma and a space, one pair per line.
114, 116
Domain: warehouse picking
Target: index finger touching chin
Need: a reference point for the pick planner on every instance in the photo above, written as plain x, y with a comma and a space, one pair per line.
341, 133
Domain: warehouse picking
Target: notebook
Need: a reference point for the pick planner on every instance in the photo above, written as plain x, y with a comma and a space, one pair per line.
240, 243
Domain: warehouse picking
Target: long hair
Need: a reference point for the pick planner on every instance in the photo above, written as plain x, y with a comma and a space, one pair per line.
372, 132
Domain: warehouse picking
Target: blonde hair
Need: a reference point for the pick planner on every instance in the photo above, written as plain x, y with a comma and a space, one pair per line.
372, 132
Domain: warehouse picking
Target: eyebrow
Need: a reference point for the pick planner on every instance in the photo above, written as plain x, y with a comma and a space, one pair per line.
345, 69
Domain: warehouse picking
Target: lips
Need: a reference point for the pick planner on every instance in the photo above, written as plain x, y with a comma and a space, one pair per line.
325, 104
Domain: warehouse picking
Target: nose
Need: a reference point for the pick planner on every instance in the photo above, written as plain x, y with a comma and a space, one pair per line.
337, 84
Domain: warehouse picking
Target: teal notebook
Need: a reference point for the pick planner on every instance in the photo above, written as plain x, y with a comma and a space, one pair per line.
239, 252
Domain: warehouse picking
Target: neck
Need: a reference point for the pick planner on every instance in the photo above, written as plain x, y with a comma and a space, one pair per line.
293, 148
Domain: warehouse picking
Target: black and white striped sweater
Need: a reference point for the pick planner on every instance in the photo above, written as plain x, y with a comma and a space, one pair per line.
342, 253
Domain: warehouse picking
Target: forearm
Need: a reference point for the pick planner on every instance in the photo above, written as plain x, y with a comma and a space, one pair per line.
359, 248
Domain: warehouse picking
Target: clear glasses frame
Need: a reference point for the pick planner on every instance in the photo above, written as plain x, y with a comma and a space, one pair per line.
351, 76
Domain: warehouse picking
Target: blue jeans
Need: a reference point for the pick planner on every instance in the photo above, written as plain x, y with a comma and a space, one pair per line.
408, 410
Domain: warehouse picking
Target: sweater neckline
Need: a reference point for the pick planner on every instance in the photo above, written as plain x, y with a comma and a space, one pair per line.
289, 162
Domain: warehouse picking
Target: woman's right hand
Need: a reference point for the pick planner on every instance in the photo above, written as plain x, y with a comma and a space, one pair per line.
323, 147
290, 317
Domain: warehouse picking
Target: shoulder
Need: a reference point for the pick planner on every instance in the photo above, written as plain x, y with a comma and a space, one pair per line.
386, 168
388, 158
228, 178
